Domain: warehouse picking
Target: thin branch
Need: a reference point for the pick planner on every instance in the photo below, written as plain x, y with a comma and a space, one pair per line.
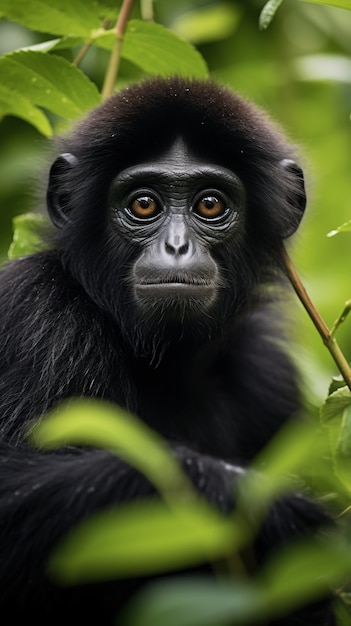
317, 320
81, 54
342, 317
112, 70
86, 47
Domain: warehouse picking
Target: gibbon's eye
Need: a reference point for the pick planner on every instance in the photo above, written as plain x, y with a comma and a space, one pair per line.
144, 207
209, 207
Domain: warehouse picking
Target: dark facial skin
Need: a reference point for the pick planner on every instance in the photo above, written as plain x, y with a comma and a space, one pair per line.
177, 208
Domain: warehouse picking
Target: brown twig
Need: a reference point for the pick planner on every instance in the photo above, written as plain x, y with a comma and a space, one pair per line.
317, 320
112, 70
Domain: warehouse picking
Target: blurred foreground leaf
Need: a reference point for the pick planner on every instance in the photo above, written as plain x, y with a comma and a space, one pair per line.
342, 4
208, 23
142, 538
99, 424
300, 574
336, 414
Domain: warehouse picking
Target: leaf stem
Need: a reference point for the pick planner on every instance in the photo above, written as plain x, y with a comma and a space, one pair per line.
317, 320
112, 70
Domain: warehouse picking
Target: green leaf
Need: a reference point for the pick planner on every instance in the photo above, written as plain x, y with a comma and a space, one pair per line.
341, 4
48, 81
337, 382
344, 445
13, 103
344, 228
208, 23
95, 423
26, 238
60, 17
335, 404
195, 602
301, 573
336, 413
305, 572
268, 12
157, 50
141, 538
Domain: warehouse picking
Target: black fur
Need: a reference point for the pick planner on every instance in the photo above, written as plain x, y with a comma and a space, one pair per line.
69, 327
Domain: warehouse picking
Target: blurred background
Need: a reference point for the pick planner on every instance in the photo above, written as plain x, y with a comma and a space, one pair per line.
299, 70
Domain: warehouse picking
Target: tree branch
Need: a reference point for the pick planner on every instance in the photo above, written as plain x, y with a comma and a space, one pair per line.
317, 320
112, 70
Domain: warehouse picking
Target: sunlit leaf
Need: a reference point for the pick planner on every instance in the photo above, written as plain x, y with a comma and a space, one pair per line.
60, 17
48, 81
26, 237
91, 422
207, 23
157, 50
342, 4
141, 538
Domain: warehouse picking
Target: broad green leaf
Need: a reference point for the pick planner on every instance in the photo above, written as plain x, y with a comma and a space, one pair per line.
305, 572
196, 601
289, 452
141, 538
60, 17
49, 81
268, 12
335, 404
344, 228
96, 423
341, 4
13, 103
207, 23
157, 50
26, 238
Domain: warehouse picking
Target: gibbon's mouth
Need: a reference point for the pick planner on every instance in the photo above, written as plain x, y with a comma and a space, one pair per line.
169, 288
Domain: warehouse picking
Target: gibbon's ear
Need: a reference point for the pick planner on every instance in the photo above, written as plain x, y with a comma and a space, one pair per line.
58, 194
296, 195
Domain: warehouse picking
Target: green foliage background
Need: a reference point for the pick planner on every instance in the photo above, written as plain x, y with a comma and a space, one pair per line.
298, 67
